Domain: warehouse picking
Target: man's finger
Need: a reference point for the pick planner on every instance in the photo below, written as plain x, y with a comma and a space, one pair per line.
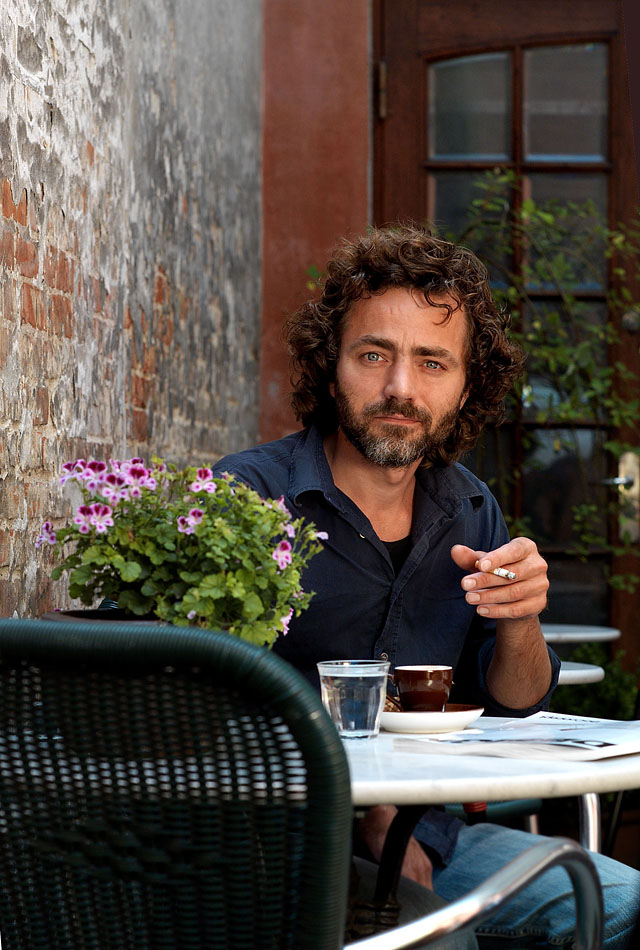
465, 557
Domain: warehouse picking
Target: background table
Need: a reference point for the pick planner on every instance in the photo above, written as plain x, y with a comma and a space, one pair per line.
575, 633
572, 673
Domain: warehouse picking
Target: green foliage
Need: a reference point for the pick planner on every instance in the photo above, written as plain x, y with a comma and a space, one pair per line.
315, 278
186, 547
548, 264
614, 697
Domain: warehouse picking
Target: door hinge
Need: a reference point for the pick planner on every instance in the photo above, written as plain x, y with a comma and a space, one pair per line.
381, 88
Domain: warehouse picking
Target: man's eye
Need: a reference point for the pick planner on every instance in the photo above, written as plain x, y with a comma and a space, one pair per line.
432, 364
372, 357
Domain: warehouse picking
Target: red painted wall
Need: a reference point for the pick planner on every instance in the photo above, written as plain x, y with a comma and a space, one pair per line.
316, 164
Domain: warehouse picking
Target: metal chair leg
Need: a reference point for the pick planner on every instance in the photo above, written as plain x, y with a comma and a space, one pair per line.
590, 821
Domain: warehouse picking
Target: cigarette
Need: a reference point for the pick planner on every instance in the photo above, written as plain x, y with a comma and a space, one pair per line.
503, 572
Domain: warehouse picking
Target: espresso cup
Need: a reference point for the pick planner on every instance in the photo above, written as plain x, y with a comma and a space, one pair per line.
423, 688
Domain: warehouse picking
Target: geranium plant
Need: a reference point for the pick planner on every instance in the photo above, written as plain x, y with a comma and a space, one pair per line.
185, 546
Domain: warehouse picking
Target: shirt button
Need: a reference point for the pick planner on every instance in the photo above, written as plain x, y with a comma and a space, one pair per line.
384, 656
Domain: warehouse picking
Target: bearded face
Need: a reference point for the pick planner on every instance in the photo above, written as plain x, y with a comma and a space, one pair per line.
400, 379
389, 445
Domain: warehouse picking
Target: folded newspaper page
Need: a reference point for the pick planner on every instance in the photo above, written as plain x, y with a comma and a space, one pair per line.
541, 736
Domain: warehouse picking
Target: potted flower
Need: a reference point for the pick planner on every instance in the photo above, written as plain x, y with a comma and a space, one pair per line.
183, 546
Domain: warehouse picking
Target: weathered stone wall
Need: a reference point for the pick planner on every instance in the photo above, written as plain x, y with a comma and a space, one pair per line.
129, 248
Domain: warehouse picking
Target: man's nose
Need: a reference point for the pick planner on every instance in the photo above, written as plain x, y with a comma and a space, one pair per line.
400, 382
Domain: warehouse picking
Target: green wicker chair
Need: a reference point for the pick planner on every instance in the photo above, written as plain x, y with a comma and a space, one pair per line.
178, 788
165, 787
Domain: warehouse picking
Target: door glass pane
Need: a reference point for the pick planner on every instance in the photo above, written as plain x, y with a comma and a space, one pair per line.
564, 347
562, 468
569, 252
565, 103
452, 196
470, 108
576, 593
490, 460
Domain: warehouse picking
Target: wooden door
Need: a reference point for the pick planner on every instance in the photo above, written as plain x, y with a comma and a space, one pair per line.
538, 88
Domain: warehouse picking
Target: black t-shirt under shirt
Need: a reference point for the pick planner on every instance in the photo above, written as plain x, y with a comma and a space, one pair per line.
398, 551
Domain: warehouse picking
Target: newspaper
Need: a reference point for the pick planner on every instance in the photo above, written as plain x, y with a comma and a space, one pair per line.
544, 735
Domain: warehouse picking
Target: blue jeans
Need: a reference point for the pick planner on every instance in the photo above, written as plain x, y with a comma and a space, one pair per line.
544, 913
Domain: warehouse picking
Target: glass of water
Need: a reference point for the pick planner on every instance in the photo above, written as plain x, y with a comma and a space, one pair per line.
353, 693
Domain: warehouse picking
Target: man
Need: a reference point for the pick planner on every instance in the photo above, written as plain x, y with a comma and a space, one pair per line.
398, 366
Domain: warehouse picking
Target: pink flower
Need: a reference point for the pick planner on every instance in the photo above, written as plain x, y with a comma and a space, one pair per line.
282, 554
204, 481
281, 505
135, 462
285, 621
289, 530
321, 536
195, 516
96, 467
191, 615
101, 517
113, 488
72, 470
83, 519
47, 535
138, 477
94, 474
188, 523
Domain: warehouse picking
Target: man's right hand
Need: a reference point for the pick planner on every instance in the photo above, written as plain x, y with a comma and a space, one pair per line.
373, 829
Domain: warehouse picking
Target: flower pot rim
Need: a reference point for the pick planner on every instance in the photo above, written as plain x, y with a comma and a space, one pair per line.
100, 615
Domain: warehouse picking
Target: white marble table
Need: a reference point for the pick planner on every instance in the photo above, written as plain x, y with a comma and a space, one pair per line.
572, 673
578, 633
391, 769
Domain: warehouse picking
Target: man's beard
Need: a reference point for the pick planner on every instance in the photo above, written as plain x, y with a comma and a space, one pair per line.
399, 445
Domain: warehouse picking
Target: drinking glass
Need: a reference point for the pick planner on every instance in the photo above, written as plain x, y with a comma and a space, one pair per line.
353, 693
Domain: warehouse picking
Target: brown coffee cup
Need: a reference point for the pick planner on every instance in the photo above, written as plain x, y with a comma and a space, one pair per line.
423, 688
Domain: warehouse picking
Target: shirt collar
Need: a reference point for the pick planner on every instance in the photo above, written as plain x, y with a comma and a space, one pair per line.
447, 485
309, 470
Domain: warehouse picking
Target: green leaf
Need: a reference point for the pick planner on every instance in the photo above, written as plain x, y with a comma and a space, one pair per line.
81, 575
133, 601
252, 607
130, 571
190, 577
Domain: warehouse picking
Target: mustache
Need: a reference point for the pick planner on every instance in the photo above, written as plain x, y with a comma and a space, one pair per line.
395, 407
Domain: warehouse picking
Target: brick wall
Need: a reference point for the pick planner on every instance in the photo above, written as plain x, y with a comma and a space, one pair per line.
129, 248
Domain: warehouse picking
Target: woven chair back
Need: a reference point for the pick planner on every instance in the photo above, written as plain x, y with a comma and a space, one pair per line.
165, 787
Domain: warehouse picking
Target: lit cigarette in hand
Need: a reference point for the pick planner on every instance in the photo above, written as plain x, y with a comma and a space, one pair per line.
503, 572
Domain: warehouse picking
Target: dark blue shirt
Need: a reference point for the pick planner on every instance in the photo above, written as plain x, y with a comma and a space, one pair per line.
361, 609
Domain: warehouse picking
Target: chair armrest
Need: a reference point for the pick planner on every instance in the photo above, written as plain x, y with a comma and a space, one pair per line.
497, 890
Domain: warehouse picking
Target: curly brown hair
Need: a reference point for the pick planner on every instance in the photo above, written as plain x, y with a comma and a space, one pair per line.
412, 257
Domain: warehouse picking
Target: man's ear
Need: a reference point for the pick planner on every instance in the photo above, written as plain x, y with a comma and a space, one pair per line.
463, 398
332, 389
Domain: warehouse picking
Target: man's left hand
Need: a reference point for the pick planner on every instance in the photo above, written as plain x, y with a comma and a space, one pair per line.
519, 674
501, 597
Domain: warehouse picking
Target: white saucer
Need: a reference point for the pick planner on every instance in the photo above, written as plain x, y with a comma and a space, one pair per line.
454, 717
